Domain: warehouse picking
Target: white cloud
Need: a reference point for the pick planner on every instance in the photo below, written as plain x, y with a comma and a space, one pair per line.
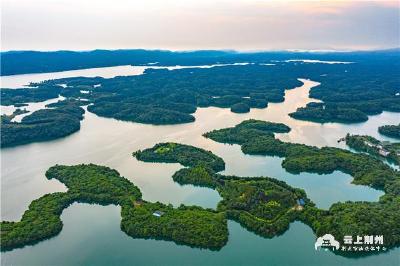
203, 24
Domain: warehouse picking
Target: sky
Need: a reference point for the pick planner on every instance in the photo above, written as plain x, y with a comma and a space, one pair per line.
199, 24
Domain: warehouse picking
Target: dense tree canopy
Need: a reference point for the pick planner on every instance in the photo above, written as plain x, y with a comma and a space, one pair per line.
348, 92
374, 147
91, 183
299, 157
41, 125
349, 218
392, 131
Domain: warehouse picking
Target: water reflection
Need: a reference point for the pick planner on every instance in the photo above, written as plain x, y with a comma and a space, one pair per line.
84, 242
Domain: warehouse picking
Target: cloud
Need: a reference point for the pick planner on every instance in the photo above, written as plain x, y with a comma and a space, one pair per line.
202, 24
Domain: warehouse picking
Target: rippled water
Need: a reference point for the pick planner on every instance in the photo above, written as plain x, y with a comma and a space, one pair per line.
91, 234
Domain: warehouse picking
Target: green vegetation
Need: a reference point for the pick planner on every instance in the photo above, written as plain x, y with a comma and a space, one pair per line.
240, 108
392, 131
101, 185
41, 125
265, 206
171, 97
21, 96
322, 113
374, 147
39, 222
302, 158
349, 93
8, 118
186, 155
198, 176
359, 218
246, 131
85, 183
348, 218
193, 226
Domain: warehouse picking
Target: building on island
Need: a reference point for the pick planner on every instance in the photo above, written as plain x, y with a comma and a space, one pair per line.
158, 213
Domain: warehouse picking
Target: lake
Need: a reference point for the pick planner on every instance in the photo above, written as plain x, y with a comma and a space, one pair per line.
91, 233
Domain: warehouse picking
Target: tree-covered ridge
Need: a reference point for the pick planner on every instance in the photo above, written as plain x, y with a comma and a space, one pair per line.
351, 92
192, 226
101, 185
197, 176
186, 155
22, 62
392, 131
157, 97
326, 112
98, 183
247, 130
170, 97
302, 158
41, 125
33, 94
374, 147
263, 205
348, 218
358, 218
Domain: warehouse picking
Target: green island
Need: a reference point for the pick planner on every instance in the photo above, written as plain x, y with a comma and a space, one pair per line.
33, 94
186, 155
18, 111
263, 205
158, 97
41, 125
381, 149
348, 218
171, 97
322, 113
351, 92
302, 158
348, 93
392, 131
193, 226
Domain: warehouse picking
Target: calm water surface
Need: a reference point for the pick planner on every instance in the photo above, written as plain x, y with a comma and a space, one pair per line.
91, 233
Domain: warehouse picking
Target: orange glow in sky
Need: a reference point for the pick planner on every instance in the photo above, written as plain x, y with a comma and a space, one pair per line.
199, 24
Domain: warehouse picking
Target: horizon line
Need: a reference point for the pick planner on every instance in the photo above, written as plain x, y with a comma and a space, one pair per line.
215, 50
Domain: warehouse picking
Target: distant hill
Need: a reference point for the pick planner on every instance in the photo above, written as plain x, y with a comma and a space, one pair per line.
23, 62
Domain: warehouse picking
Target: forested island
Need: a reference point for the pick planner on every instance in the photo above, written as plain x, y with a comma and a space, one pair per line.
374, 147
42, 125
302, 158
95, 184
322, 113
27, 95
351, 92
392, 131
348, 93
342, 218
267, 206
263, 205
